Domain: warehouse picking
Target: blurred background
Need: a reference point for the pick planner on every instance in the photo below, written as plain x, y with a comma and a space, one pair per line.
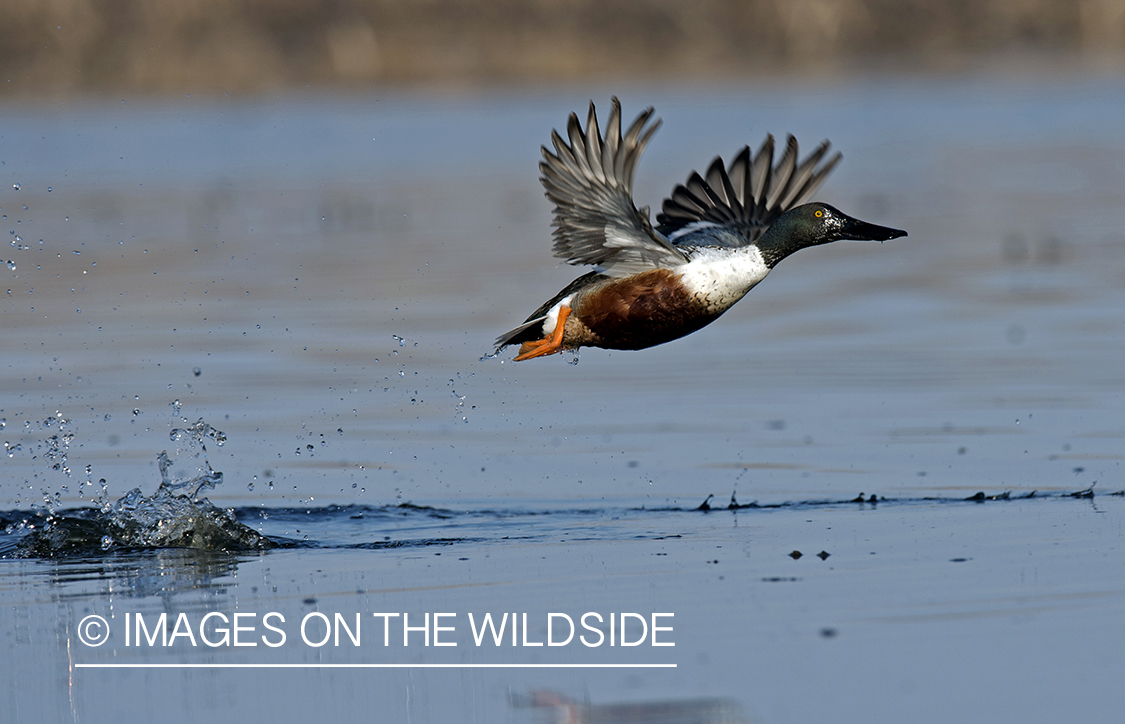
303, 222
223, 46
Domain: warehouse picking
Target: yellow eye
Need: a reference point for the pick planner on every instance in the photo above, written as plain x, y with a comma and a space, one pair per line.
818, 213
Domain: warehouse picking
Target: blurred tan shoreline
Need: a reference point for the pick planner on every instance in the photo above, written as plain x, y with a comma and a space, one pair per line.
50, 47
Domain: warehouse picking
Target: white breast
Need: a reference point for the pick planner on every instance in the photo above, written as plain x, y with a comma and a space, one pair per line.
722, 276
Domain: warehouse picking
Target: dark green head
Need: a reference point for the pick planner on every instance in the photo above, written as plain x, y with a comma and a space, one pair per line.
814, 224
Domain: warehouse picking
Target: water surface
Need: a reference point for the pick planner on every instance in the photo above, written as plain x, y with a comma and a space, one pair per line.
318, 278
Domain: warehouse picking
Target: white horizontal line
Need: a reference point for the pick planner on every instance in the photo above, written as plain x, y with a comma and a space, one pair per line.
375, 666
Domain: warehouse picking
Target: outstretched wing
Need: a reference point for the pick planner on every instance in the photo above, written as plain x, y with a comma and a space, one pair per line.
750, 195
590, 180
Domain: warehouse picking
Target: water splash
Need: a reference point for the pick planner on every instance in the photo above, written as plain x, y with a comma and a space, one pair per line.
58, 446
175, 516
172, 519
191, 446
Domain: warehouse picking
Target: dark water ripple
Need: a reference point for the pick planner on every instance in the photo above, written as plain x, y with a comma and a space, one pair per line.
83, 532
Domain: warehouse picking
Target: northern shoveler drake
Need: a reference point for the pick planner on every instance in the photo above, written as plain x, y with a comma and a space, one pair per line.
717, 236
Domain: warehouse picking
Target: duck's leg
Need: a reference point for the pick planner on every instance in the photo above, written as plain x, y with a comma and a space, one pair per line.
547, 345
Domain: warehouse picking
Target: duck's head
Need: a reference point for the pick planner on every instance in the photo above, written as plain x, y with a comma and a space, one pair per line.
815, 224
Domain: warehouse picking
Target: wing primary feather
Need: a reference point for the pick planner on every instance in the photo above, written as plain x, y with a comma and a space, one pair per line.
685, 200
713, 197
783, 173
715, 177
556, 183
566, 157
801, 175
578, 146
739, 174
815, 180
734, 204
612, 138
594, 145
635, 143
760, 175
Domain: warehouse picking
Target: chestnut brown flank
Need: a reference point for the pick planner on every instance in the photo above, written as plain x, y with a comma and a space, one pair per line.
636, 312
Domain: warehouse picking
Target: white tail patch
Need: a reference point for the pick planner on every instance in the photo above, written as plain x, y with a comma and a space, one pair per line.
552, 319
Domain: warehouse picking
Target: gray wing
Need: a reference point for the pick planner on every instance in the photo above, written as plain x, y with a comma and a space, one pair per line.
750, 195
590, 181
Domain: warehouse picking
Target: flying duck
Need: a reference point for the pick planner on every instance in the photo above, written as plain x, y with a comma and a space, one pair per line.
717, 236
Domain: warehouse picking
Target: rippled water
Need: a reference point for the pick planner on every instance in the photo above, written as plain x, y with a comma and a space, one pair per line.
318, 277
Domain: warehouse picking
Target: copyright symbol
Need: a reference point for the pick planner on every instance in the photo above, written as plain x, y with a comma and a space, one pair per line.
93, 630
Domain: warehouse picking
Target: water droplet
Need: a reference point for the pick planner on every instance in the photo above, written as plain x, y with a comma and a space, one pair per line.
196, 371
11, 265
16, 187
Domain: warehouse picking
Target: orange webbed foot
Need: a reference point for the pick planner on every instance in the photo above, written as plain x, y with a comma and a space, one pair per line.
547, 345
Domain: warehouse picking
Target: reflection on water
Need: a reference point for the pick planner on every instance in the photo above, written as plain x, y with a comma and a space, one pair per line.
172, 575
555, 708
